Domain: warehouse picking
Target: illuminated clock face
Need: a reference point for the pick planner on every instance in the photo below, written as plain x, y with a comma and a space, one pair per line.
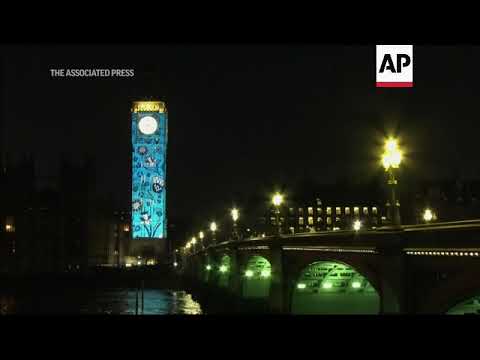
147, 125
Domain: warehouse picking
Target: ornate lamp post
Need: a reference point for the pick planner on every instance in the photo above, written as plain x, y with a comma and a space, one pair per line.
391, 159
193, 242
213, 229
235, 215
277, 200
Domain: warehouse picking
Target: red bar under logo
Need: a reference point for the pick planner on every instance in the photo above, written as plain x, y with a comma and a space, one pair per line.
395, 84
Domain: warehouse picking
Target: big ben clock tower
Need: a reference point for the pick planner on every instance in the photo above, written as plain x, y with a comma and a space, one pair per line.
149, 150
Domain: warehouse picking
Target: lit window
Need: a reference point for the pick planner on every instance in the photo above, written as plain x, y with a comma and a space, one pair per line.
329, 211
272, 220
347, 211
310, 211
329, 220
126, 228
374, 210
337, 219
356, 210
319, 220
338, 210
300, 220
319, 202
10, 224
365, 210
310, 220
319, 211
290, 210
300, 210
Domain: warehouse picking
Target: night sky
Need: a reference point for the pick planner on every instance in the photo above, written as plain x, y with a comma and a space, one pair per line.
242, 117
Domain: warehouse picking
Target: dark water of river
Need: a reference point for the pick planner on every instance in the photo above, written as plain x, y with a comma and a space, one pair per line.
114, 301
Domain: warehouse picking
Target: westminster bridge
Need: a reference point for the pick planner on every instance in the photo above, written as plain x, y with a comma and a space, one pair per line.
416, 269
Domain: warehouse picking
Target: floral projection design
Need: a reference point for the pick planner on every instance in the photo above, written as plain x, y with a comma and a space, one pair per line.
148, 178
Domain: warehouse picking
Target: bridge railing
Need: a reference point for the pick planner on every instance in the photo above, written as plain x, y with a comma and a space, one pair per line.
443, 225
461, 224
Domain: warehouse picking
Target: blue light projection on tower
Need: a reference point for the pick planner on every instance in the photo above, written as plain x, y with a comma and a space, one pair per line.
149, 150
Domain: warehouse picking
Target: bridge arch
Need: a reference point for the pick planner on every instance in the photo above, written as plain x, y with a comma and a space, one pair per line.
256, 279
333, 287
455, 292
466, 307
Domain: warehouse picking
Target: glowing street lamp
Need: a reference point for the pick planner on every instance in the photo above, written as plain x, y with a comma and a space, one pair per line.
392, 156
249, 273
223, 269
201, 235
213, 226
427, 215
277, 200
391, 159
357, 225
193, 242
213, 229
235, 215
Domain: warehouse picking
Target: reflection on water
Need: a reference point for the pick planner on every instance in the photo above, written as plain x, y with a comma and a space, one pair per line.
105, 301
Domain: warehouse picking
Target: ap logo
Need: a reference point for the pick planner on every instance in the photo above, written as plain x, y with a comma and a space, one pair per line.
394, 66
